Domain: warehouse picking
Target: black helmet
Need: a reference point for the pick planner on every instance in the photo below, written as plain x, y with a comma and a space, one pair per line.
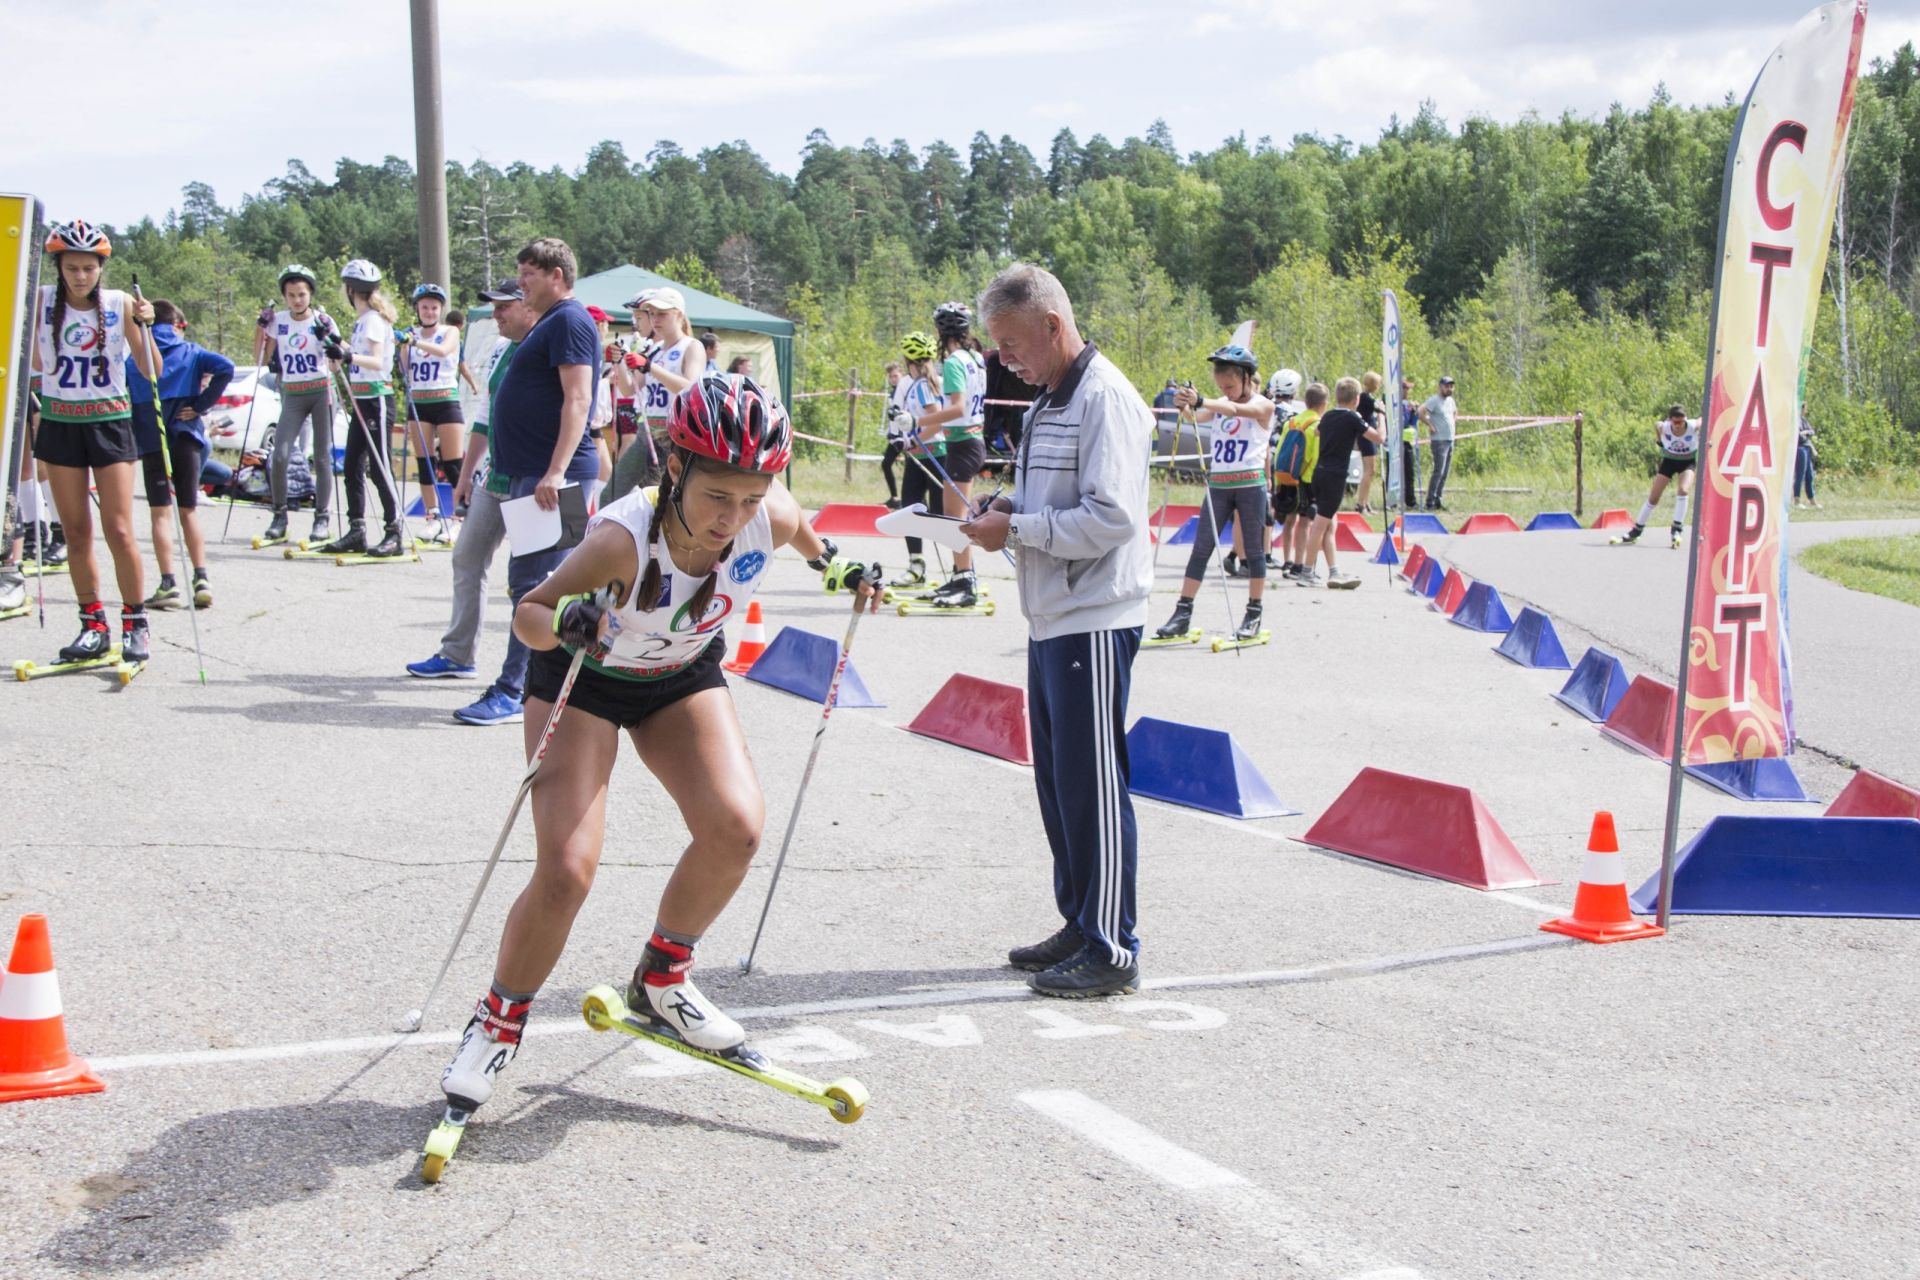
952, 319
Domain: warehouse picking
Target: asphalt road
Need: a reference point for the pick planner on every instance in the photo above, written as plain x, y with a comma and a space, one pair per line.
1337, 1069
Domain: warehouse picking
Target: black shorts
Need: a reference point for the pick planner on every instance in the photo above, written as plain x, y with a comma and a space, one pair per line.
965, 458
1671, 467
1286, 500
85, 444
624, 703
188, 458
439, 413
1367, 447
1329, 491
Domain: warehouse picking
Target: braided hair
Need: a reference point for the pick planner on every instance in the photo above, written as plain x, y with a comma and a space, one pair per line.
648, 592
60, 306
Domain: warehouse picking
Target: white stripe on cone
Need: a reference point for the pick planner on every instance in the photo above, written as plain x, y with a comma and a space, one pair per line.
29, 997
1603, 868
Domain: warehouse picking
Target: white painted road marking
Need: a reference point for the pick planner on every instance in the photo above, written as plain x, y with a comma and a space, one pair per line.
1134, 1143
858, 1004
1319, 1248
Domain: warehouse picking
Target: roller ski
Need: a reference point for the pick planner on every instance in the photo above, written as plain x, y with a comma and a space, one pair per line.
438, 536
35, 568
489, 1043
910, 584
845, 1099
1679, 538
93, 647
1248, 634
1628, 538
1179, 629
275, 534
959, 598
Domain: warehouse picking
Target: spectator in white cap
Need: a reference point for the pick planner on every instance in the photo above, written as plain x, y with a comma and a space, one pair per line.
668, 361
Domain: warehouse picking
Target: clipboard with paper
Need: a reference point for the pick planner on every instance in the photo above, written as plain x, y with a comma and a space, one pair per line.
917, 522
531, 529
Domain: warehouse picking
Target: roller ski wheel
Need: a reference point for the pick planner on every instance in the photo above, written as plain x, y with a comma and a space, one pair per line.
442, 1143
408, 557
1628, 539
1223, 643
127, 671
1194, 636
25, 669
35, 568
297, 553
844, 1099
1679, 540
928, 609
421, 544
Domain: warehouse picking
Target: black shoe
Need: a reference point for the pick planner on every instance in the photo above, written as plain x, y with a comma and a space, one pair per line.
351, 543
322, 529
388, 546
136, 642
1063, 945
1088, 973
1231, 565
56, 548
94, 640
893, 504
276, 528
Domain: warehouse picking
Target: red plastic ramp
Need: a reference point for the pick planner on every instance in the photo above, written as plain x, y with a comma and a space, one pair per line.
1343, 539
1435, 828
1354, 521
1452, 592
1643, 718
849, 519
1416, 561
1868, 795
1172, 516
1490, 522
980, 715
1614, 518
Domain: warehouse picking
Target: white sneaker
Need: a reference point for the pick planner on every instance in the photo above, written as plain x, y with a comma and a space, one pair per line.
486, 1047
1338, 581
684, 1010
1306, 578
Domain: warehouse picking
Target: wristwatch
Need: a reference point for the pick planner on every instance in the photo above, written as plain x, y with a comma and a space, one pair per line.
1013, 533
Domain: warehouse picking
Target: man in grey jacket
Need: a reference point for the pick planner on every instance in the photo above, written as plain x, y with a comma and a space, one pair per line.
1078, 525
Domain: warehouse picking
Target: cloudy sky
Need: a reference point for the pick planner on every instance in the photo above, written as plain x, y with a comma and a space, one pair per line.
242, 87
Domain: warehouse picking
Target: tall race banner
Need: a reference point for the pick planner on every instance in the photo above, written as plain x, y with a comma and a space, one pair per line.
1393, 368
1782, 183
1777, 204
19, 261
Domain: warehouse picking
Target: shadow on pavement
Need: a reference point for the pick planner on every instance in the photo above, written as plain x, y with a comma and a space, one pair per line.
340, 701
173, 1203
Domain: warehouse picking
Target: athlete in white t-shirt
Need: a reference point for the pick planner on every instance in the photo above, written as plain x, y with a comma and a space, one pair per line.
80, 350
639, 605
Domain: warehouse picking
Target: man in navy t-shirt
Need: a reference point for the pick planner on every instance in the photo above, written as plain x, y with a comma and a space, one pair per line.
539, 440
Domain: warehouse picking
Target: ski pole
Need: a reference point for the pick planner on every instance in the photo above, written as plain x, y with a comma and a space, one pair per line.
166, 463
411, 1020
806, 776
377, 447
246, 433
39, 543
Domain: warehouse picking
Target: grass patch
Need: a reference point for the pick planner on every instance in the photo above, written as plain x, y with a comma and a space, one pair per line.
1887, 567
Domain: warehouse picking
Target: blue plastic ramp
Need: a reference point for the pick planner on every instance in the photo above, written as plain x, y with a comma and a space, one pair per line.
1596, 685
1765, 866
1534, 643
1199, 768
802, 663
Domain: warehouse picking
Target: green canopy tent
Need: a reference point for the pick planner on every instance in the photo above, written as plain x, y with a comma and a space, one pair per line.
768, 339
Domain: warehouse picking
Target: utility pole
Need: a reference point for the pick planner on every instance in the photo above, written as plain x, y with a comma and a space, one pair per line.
429, 144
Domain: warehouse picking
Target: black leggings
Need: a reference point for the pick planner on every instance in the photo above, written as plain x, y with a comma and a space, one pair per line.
360, 459
916, 485
889, 460
1249, 505
187, 461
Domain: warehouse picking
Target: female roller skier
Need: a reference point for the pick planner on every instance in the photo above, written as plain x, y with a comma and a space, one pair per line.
367, 358
86, 429
696, 549
438, 426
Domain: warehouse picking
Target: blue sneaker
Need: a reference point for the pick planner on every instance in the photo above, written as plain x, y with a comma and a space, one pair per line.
439, 668
495, 708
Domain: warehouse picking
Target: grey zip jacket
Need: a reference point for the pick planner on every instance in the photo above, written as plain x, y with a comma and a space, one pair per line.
1085, 560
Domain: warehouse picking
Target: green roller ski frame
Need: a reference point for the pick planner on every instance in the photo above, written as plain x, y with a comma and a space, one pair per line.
927, 609
34, 568
895, 595
1194, 636
26, 669
21, 612
442, 1143
845, 1099
261, 543
412, 557
1223, 643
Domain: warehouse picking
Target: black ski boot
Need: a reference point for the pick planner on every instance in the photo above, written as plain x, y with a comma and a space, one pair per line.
1630, 537
1249, 628
94, 640
958, 593
136, 641
1179, 624
322, 528
388, 546
276, 528
56, 552
351, 543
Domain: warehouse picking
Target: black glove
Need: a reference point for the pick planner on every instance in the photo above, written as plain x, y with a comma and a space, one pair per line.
336, 351
576, 619
826, 558
266, 317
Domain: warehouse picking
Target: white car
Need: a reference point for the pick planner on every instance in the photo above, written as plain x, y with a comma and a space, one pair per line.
255, 391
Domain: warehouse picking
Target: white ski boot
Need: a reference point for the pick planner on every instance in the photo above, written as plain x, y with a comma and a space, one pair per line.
662, 992
491, 1040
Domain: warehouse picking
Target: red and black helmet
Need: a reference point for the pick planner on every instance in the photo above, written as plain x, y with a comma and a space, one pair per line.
728, 418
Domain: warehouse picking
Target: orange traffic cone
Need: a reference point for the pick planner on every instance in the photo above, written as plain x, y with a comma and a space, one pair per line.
752, 644
1600, 911
34, 1061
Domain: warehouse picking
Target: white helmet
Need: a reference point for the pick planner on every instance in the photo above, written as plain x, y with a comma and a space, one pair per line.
639, 299
1284, 383
360, 271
